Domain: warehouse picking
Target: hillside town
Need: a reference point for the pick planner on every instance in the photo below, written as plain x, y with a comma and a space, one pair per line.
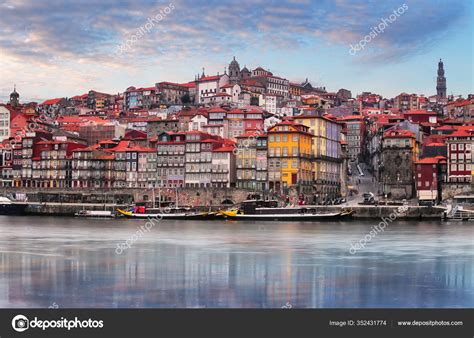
244, 129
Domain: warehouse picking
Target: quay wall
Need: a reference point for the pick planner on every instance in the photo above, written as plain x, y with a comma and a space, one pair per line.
66, 202
359, 212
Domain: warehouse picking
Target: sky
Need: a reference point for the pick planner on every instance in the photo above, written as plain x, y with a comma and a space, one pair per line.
58, 48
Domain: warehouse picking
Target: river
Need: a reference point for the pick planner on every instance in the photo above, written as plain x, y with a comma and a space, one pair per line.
70, 262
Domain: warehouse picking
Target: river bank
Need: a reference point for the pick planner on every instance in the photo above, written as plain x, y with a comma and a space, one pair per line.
359, 211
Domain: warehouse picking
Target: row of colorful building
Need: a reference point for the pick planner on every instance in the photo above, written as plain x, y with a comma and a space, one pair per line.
246, 129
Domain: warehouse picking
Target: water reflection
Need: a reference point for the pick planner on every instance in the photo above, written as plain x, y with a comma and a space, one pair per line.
72, 263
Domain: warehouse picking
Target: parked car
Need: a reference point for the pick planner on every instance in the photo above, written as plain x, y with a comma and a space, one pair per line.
369, 198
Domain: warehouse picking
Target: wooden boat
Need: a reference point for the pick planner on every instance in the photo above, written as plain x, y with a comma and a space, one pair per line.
95, 213
259, 210
180, 214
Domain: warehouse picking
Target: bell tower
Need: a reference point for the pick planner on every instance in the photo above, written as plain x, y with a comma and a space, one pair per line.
14, 97
441, 81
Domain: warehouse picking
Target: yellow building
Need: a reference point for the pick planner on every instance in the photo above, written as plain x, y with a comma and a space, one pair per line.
327, 160
289, 157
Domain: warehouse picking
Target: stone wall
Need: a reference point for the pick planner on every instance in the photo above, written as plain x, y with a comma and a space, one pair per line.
194, 196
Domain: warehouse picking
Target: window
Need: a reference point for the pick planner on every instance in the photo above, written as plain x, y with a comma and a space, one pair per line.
453, 146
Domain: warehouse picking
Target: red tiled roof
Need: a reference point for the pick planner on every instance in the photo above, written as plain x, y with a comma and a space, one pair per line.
445, 128
217, 110
210, 140
52, 101
419, 112
398, 133
462, 133
430, 160
351, 117
210, 78
435, 144
225, 149
189, 84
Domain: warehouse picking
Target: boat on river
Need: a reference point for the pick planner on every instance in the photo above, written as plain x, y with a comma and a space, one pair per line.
11, 207
260, 210
175, 213
95, 213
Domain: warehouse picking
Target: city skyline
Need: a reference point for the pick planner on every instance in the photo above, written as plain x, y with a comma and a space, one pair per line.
294, 39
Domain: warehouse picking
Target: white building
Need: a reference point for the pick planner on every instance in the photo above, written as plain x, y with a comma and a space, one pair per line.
197, 122
233, 90
208, 86
218, 99
270, 103
4, 123
215, 129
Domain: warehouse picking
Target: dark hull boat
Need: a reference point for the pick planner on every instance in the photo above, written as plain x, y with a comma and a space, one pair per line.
9, 207
259, 210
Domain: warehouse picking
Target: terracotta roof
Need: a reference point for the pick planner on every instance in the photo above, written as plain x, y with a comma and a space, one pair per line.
419, 112
52, 101
435, 144
351, 117
189, 84
217, 110
225, 149
462, 133
430, 160
210, 78
398, 133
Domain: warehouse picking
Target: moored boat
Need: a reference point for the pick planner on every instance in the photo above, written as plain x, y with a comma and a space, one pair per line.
10, 207
176, 214
95, 213
260, 210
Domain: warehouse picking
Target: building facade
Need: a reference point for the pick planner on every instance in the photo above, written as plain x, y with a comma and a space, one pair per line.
289, 157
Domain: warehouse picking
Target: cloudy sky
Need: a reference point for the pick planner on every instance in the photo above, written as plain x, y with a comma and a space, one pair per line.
59, 48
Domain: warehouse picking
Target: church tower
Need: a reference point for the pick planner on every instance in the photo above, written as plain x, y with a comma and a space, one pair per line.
234, 71
441, 81
14, 98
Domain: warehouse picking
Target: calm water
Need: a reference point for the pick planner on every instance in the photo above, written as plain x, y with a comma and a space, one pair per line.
68, 262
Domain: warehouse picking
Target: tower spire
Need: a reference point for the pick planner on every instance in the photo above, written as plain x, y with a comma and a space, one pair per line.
441, 81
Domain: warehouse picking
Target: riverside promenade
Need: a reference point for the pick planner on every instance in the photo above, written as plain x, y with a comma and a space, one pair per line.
68, 202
